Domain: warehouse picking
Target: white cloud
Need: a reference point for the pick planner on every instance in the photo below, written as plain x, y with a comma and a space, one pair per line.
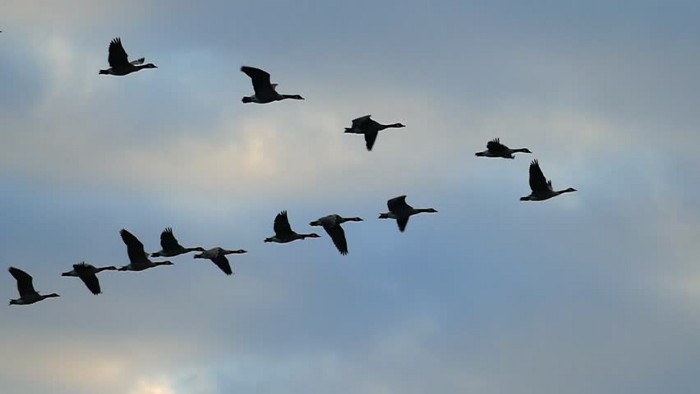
153, 386
607, 319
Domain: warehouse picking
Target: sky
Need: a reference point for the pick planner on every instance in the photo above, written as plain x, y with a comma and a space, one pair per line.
596, 291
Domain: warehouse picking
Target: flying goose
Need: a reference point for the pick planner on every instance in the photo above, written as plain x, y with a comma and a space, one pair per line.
218, 257
283, 231
264, 90
27, 294
370, 128
399, 210
138, 257
119, 63
170, 246
88, 274
331, 224
494, 148
541, 187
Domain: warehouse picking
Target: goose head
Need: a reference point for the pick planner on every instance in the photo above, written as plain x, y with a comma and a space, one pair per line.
149, 65
430, 210
268, 239
384, 216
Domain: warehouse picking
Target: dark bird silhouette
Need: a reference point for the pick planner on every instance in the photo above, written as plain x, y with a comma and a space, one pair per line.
283, 231
331, 224
88, 274
27, 294
494, 148
170, 247
540, 186
218, 257
264, 90
138, 257
119, 63
401, 211
369, 128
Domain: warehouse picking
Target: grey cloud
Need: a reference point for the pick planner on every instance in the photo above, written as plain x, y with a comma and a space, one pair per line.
591, 292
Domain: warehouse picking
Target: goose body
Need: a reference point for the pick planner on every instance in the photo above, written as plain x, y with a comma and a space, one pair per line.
264, 90
218, 257
284, 232
331, 224
88, 274
495, 148
367, 126
138, 258
119, 63
541, 188
401, 211
170, 247
25, 287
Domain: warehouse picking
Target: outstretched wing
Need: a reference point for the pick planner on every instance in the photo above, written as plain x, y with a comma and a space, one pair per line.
222, 262
402, 222
370, 138
92, 283
282, 226
358, 122
134, 247
495, 146
138, 61
24, 282
168, 240
83, 268
338, 236
261, 80
398, 204
538, 183
117, 55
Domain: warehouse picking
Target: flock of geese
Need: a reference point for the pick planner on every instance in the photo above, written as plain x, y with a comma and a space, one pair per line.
265, 92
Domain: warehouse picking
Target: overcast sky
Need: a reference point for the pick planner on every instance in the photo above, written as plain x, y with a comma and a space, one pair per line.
596, 291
